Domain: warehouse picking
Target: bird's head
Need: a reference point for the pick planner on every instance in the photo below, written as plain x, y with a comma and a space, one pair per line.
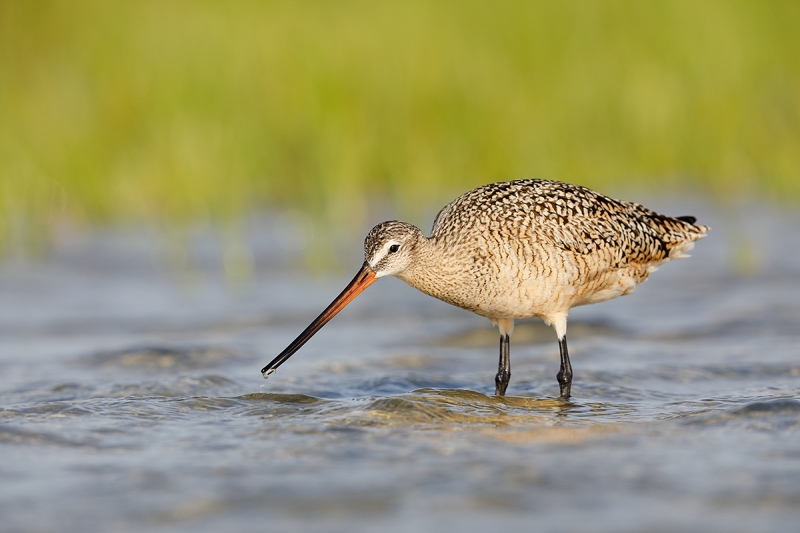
389, 247
388, 251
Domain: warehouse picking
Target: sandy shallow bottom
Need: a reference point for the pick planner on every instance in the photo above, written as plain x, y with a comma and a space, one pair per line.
131, 399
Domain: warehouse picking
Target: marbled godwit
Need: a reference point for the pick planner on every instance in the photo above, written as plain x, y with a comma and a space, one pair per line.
520, 249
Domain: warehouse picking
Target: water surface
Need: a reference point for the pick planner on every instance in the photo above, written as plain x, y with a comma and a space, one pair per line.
131, 398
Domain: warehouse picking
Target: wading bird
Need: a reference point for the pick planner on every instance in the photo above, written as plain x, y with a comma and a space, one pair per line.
520, 249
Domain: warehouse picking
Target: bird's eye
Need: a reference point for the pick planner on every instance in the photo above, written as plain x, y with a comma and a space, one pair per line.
393, 248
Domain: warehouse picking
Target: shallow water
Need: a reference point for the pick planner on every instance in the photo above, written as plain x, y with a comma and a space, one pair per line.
131, 398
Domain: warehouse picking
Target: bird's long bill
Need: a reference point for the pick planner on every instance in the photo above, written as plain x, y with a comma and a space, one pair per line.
364, 278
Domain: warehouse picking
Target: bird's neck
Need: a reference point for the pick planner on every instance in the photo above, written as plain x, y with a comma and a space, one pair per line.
431, 272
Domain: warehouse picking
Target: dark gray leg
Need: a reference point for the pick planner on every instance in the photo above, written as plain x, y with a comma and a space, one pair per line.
564, 375
503, 368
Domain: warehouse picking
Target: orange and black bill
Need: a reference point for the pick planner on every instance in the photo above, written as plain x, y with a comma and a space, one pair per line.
364, 278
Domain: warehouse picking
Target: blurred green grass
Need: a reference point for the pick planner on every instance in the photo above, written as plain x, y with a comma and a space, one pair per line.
171, 112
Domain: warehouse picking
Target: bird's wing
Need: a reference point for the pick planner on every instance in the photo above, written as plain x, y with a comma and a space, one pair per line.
564, 216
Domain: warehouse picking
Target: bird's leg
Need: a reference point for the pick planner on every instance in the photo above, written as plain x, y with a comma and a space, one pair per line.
564, 375
503, 368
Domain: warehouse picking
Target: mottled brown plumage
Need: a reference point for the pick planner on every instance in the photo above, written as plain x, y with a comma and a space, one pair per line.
522, 249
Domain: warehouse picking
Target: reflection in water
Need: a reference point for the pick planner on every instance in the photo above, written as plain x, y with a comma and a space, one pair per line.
130, 403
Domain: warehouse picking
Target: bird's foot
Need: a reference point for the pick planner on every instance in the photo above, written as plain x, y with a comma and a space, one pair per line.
501, 384
565, 383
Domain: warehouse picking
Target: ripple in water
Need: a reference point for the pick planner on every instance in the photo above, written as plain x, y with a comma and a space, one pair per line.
686, 414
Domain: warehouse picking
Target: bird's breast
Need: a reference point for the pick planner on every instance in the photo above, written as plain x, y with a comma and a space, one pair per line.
512, 280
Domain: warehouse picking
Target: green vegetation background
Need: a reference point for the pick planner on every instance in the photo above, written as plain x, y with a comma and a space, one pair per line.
171, 112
